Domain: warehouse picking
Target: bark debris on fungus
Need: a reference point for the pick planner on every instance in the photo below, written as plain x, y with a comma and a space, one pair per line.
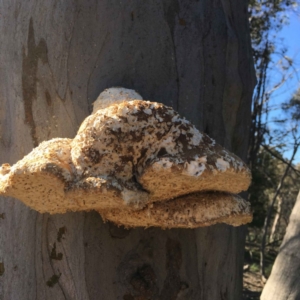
136, 162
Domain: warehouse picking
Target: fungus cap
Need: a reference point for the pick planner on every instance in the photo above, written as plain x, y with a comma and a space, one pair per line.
113, 96
129, 158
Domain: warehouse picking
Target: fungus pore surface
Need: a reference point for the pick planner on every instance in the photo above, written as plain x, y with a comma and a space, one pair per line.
136, 162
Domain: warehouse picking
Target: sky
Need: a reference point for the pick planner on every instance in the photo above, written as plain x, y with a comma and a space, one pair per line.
290, 38
290, 35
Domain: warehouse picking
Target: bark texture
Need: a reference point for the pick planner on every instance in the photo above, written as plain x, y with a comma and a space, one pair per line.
283, 283
55, 58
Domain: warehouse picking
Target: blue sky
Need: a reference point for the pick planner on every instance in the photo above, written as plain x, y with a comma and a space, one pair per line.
290, 38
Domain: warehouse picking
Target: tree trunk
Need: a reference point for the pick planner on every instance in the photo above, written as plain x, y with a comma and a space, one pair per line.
283, 282
269, 214
55, 58
277, 218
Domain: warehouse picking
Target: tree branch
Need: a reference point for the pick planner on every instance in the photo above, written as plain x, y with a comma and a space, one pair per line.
281, 159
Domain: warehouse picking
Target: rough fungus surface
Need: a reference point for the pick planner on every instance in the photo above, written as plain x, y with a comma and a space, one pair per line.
138, 163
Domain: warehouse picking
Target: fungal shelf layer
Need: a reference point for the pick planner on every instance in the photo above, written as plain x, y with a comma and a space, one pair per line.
136, 162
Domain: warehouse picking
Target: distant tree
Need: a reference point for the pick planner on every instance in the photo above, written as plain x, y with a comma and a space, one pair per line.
283, 283
270, 209
268, 143
270, 182
267, 18
294, 106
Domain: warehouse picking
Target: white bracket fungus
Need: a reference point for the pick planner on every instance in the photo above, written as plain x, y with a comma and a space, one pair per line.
136, 162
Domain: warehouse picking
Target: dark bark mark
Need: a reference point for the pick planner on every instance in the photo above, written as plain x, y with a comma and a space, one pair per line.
224, 295
61, 232
2, 216
137, 274
53, 280
2, 269
118, 232
48, 98
144, 283
182, 22
29, 77
172, 284
206, 130
54, 255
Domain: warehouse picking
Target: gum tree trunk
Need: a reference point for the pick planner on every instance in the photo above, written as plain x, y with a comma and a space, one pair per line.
55, 58
283, 283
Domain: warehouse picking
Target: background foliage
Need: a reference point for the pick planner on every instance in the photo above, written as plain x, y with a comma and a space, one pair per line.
274, 138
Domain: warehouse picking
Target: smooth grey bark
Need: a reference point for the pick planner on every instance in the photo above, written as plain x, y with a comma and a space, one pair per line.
283, 283
55, 58
269, 213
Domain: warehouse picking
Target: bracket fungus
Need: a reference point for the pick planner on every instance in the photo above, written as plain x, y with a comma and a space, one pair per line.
136, 162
